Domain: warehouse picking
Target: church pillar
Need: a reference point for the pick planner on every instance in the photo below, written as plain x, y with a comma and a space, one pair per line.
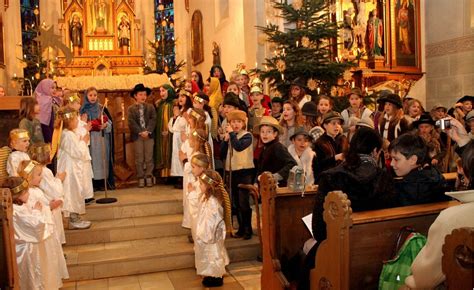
12, 48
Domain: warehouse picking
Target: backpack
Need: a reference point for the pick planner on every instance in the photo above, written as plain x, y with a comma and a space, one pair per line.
395, 270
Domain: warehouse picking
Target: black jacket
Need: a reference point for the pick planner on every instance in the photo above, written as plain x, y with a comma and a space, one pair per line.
276, 159
149, 113
421, 186
367, 186
326, 148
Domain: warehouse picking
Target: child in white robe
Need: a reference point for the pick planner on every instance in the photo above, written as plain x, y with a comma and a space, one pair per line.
209, 249
19, 143
51, 185
199, 163
29, 228
73, 152
177, 126
302, 153
52, 262
83, 132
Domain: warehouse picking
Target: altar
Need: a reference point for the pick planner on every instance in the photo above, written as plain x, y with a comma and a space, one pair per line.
104, 36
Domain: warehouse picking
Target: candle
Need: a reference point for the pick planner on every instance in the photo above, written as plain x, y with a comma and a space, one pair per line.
353, 85
256, 64
14, 75
318, 90
367, 90
123, 111
268, 22
282, 77
283, 52
297, 43
337, 59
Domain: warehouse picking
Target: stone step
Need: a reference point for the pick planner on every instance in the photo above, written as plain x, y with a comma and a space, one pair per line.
126, 229
137, 202
141, 256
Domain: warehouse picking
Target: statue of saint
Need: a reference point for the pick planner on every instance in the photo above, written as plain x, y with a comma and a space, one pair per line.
348, 28
404, 27
124, 32
75, 31
374, 34
101, 16
216, 54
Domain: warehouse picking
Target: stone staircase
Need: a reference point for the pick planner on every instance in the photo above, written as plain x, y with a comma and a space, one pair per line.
141, 233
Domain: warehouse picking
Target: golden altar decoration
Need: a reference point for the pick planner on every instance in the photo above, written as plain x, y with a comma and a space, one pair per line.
104, 36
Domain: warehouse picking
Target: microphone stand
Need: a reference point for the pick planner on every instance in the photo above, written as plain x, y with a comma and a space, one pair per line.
105, 199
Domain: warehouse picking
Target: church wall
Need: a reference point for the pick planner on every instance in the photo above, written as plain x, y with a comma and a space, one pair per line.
145, 12
449, 50
233, 30
50, 13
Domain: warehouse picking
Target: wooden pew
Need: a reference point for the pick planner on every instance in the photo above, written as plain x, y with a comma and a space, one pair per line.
357, 243
8, 267
283, 231
457, 261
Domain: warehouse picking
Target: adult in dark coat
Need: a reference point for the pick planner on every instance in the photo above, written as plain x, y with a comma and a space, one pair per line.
367, 186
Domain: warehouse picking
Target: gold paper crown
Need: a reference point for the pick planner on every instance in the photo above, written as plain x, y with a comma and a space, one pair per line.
196, 115
19, 134
207, 179
17, 189
196, 134
69, 115
30, 166
198, 99
186, 93
198, 162
74, 98
41, 149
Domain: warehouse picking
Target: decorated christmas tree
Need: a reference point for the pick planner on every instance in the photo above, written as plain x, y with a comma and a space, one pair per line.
306, 49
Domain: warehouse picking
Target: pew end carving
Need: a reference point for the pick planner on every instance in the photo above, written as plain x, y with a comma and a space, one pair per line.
8, 268
458, 259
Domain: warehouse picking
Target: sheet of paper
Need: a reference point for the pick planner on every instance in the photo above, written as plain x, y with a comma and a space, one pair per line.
308, 221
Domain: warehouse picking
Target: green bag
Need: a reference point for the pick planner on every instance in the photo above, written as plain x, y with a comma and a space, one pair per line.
395, 271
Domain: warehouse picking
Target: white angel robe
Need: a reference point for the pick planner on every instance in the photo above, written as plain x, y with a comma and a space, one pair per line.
304, 161
194, 198
14, 160
177, 128
29, 228
209, 249
72, 155
88, 189
53, 190
53, 264
187, 176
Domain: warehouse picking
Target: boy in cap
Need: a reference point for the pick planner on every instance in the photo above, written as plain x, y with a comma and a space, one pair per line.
237, 151
142, 122
302, 153
355, 111
331, 146
274, 156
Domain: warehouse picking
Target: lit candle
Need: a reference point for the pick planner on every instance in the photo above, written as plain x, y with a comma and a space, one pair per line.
256, 64
297, 43
123, 111
268, 22
14, 75
318, 90
282, 77
337, 59
353, 84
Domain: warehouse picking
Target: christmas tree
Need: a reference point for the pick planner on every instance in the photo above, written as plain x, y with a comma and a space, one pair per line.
306, 49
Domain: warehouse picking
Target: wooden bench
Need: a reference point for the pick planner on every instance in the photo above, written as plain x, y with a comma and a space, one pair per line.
283, 232
8, 267
356, 245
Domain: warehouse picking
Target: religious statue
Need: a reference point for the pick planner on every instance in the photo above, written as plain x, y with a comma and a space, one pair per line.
100, 10
361, 24
374, 34
124, 33
216, 54
348, 30
403, 21
75, 31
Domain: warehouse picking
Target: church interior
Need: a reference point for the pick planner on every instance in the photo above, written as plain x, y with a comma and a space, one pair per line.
399, 52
